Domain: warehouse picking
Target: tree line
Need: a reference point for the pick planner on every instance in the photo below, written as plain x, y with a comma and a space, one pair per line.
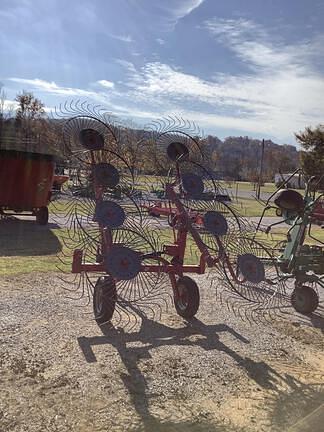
235, 158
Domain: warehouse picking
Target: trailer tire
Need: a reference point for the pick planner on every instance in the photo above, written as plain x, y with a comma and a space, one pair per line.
42, 216
304, 299
104, 299
187, 299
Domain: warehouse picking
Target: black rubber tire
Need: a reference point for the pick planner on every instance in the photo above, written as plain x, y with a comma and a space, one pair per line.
304, 299
188, 298
42, 216
104, 299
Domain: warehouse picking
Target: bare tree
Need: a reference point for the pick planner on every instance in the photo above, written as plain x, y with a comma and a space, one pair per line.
29, 107
30, 115
6, 114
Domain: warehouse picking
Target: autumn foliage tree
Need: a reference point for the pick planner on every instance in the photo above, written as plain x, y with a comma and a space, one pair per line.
312, 156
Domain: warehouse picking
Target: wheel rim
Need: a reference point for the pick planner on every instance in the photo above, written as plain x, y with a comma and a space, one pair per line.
99, 301
300, 300
183, 299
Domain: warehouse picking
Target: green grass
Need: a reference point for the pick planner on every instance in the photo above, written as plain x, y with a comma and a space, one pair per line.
245, 206
191, 252
30, 249
280, 234
58, 206
61, 206
247, 186
249, 207
22, 265
142, 183
26, 248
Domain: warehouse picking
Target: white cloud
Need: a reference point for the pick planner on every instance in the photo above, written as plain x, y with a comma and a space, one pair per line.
281, 93
254, 46
106, 84
170, 12
233, 29
102, 97
8, 105
184, 7
134, 77
122, 38
52, 87
160, 41
129, 66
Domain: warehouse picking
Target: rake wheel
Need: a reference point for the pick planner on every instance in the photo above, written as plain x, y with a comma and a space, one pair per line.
304, 299
187, 298
104, 299
253, 274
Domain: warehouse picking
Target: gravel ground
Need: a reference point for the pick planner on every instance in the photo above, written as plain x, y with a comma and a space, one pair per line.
60, 372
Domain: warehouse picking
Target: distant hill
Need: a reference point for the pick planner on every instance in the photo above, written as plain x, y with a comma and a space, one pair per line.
236, 158
239, 157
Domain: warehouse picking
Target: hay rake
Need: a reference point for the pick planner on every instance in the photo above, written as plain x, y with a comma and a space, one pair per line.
299, 262
118, 250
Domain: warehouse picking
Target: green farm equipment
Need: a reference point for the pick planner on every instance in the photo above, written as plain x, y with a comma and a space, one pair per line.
303, 263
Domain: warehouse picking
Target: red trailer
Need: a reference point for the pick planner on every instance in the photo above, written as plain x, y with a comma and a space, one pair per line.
26, 180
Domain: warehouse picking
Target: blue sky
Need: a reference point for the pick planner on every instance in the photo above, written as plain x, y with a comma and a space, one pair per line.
235, 67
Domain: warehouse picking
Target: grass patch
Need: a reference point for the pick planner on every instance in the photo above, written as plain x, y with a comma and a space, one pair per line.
280, 234
249, 207
63, 206
58, 206
192, 253
25, 247
247, 186
22, 265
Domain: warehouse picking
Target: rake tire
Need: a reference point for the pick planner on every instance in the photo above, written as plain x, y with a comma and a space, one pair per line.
304, 299
187, 299
104, 299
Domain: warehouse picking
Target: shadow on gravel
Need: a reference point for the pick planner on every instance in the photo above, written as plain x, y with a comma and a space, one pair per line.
317, 318
153, 335
301, 323
287, 399
154, 425
26, 238
293, 405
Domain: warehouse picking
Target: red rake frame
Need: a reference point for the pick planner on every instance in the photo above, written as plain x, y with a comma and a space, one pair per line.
176, 250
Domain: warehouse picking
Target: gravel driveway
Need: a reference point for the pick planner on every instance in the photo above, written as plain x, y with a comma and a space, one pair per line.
60, 372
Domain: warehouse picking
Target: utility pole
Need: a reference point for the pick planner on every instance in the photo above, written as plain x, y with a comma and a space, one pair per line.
261, 170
